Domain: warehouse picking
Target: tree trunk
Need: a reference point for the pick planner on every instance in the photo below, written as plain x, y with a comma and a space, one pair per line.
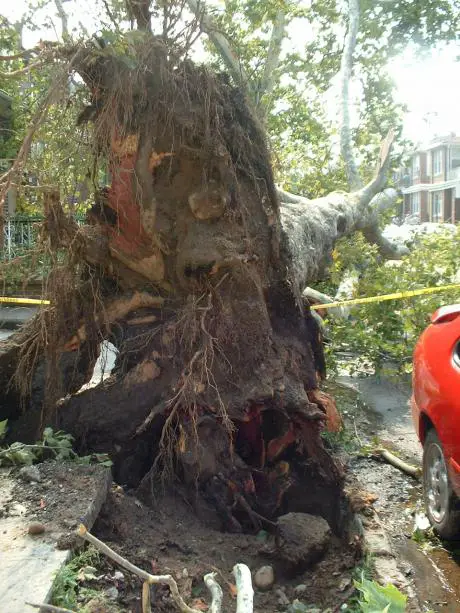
184, 266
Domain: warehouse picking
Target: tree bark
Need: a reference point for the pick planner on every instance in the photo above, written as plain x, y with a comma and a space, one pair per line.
346, 67
198, 288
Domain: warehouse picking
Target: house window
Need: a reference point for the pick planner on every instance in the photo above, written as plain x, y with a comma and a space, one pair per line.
436, 206
437, 162
416, 166
415, 203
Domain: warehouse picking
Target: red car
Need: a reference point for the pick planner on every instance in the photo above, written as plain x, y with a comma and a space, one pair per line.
436, 413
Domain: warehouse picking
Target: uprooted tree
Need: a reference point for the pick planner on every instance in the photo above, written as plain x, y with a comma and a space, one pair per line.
192, 264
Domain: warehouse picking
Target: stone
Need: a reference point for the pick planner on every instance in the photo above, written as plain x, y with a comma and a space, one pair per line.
30, 474
302, 539
118, 576
35, 528
300, 589
299, 607
344, 584
264, 578
283, 600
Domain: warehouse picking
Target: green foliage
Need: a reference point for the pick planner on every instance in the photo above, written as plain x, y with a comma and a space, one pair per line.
67, 591
3, 429
289, 98
387, 331
376, 598
56, 445
294, 108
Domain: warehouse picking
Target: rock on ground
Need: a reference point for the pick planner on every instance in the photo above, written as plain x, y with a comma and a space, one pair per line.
302, 539
264, 578
30, 474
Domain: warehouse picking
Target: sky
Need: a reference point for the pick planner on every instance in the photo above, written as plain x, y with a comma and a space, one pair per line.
429, 86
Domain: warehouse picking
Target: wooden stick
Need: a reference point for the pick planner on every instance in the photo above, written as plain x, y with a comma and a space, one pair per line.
216, 593
412, 471
151, 579
146, 606
245, 594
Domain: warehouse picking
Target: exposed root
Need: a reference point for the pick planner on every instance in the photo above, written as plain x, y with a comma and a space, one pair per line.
216, 592
245, 591
115, 311
241, 572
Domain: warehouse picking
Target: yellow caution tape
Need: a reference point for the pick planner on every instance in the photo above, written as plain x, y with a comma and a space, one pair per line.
315, 307
395, 296
8, 299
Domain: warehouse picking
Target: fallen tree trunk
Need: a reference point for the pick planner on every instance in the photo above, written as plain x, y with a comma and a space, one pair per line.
185, 266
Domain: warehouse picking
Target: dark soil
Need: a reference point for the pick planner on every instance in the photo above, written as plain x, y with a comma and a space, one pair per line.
170, 539
63, 498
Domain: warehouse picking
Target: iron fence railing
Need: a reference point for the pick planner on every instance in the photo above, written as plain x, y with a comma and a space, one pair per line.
20, 234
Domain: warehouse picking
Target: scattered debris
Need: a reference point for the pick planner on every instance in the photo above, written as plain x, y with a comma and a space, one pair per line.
111, 593
245, 592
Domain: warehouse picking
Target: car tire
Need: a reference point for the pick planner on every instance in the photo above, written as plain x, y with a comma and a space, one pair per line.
441, 504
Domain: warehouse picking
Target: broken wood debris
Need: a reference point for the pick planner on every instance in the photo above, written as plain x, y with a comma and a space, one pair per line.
245, 592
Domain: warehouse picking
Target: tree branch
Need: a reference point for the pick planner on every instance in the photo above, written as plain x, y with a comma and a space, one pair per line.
16, 73
216, 593
38, 117
312, 227
17, 56
123, 562
378, 182
346, 67
64, 20
220, 42
111, 16
273, 56
245, 591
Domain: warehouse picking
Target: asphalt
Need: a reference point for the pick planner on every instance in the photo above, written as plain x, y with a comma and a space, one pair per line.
432, 567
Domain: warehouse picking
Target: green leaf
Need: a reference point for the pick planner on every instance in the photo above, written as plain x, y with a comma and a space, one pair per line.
376, 598
3, 428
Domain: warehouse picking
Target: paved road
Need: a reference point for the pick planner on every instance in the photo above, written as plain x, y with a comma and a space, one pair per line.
434, 572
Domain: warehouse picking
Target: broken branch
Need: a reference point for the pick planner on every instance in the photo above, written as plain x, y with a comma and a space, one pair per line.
216, 593
245, 595
151, 579
410, 470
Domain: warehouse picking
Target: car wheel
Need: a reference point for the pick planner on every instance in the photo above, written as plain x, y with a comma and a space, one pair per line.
441, 503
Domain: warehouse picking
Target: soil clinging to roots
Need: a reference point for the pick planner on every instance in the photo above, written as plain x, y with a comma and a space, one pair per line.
183, 266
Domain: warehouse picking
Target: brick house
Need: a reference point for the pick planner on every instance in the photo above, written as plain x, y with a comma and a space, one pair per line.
431, 183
